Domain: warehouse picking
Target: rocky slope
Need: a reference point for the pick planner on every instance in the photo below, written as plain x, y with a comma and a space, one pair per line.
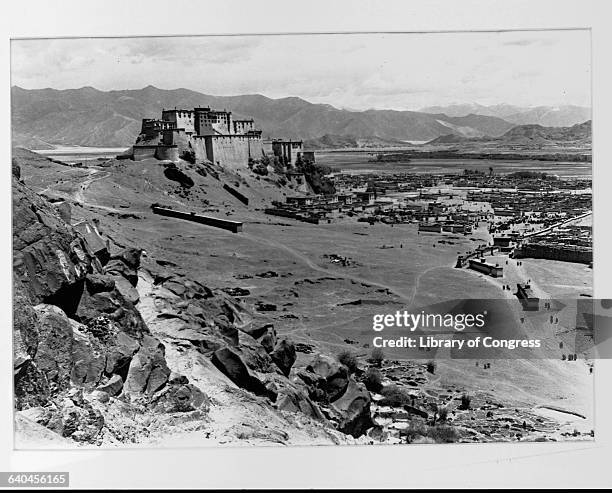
111, 347
131, 328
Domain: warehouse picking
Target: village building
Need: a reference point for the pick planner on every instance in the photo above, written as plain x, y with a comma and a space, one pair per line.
528, 299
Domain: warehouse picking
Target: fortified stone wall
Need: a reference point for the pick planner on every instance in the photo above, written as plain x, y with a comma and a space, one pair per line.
234, 151
165, 152
179, 138
198, 144
143, 152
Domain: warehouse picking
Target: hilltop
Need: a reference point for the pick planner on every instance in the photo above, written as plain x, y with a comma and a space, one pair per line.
90, 117
579, 134
534, 133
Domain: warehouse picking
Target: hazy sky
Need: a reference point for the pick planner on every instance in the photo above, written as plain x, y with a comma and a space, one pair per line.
357, 71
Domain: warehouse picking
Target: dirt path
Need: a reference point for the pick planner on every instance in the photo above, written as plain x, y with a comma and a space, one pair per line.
84, 185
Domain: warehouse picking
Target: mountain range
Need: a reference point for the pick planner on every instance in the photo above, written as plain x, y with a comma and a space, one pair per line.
579, 134
91, 117
87, 116
547, 116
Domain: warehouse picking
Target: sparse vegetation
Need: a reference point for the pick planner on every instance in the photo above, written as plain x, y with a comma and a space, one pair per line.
395, 396
373, 380
377, 356
443, 413
260, 169
348, 359
465, 402
315, 176
437, 433
431, 367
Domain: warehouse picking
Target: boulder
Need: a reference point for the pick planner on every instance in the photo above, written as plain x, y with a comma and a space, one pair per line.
284, 356
335, 375
125, 264
54, 355
64, 211
126, 289
180, 398
264, 334
148, 371
114, 307
113, 386
294, 400
353, 409
99, 283
254, 354
229, 362
314, 385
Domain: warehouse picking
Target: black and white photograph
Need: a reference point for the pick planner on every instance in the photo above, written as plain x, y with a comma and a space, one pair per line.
341, 239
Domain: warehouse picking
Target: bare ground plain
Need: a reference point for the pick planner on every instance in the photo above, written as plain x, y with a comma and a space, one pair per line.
394, 268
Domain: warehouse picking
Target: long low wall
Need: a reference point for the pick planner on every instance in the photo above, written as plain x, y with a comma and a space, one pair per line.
233, 226
236, 194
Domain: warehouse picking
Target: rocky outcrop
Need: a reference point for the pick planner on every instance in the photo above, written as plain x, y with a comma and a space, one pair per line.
86, 364
328, 382
331, 376
112, 386
125, 264
48, 257
175, 174
77, 333
230, 363
353, 409
264, 334
284, 356
148, 371
180, 396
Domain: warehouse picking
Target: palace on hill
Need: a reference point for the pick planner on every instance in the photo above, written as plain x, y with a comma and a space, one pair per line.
207, 134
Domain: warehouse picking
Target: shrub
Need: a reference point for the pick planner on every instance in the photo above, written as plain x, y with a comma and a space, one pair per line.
439, 434
373, 380
443, 413
431, 367
395, 396
260, 169
315, 175
349, 360
465, 401
442, 433
377, 356
277, 165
